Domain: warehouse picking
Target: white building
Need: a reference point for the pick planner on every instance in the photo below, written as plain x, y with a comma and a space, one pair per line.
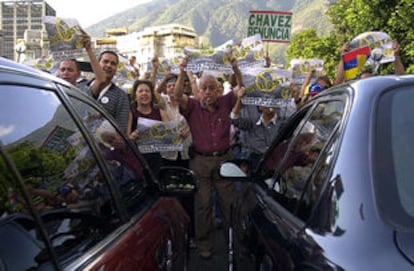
165, 41
17, 17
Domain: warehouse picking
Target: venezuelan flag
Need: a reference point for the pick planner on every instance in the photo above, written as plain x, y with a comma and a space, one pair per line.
354, 61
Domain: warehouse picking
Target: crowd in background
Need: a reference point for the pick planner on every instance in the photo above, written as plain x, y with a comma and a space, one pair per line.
217, 125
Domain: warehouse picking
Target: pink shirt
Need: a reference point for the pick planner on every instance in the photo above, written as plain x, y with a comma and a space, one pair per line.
210, 130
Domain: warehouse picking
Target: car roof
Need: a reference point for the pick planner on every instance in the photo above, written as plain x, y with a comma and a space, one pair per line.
12, 65
7, 65
371, 86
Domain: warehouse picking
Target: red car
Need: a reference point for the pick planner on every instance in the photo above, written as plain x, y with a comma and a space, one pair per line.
75, 193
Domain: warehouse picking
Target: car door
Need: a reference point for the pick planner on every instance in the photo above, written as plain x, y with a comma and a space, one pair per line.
292, 182
74, 188
158, 225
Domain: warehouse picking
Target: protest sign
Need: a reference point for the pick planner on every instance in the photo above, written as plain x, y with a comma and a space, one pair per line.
63, 34
166, 66
159, 136
380, 44
266, 86
301, 68
48, 64
273, 26
124, 76
249, 53
212, 59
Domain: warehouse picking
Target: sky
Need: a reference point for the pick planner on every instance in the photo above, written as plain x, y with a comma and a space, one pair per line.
88, 12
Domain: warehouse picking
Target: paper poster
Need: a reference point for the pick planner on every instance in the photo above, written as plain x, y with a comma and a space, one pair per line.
48, 64
211, 59
380, 44
159, 136
124, 76
267, 86
63, 34
301, 68
250, 52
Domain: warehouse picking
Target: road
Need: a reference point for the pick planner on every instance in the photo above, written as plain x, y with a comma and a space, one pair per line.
219, 261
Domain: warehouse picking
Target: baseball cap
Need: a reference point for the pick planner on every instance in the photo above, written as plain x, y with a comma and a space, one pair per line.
315, 88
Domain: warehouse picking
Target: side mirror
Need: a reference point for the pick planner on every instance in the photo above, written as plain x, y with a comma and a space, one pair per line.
231, 170
177, 181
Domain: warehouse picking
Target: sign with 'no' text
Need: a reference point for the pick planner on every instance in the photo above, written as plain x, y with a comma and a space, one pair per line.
273, 26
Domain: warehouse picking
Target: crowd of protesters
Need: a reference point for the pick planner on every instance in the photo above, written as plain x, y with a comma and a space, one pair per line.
217, 125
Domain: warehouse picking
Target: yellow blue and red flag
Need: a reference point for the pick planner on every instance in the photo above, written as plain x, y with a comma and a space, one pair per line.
354, 61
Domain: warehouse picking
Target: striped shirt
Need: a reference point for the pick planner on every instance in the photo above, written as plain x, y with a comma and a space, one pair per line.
115, 101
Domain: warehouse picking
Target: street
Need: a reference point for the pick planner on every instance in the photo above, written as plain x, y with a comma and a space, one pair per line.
219, 261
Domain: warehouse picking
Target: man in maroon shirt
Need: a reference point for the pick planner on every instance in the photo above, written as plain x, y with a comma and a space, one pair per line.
209, 121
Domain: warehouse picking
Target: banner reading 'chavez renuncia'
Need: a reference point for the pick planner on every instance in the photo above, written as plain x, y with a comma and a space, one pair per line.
273, 26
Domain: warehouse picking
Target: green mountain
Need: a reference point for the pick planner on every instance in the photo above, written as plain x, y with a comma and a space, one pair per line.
217, 21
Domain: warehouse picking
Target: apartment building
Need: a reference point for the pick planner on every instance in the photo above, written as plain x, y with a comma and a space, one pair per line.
165, 41
22, 20
22, 32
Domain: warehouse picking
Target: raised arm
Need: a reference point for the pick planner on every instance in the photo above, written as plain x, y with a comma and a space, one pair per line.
153, 78
235, 118
193, 83
179, 85
305, 84
340, 72
237, 79
162, 87
235, 113
398, 65
155, 66
100, 78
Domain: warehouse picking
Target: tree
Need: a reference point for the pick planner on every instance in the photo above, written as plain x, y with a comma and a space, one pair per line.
401, 26
394, 17
33, 161
351, 18
307, 44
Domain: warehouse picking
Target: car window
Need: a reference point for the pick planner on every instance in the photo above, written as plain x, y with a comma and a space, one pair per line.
120, 157
293, 159
316, 184
394, 156
61, 176
402, 134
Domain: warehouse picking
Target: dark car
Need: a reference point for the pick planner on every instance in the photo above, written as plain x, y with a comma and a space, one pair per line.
75, 193
335, 191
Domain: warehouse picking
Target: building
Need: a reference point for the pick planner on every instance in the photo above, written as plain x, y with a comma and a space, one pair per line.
110, 42
165, 41
22, 33
23, 20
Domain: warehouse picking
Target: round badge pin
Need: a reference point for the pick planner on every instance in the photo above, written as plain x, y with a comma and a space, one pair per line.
104, 100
